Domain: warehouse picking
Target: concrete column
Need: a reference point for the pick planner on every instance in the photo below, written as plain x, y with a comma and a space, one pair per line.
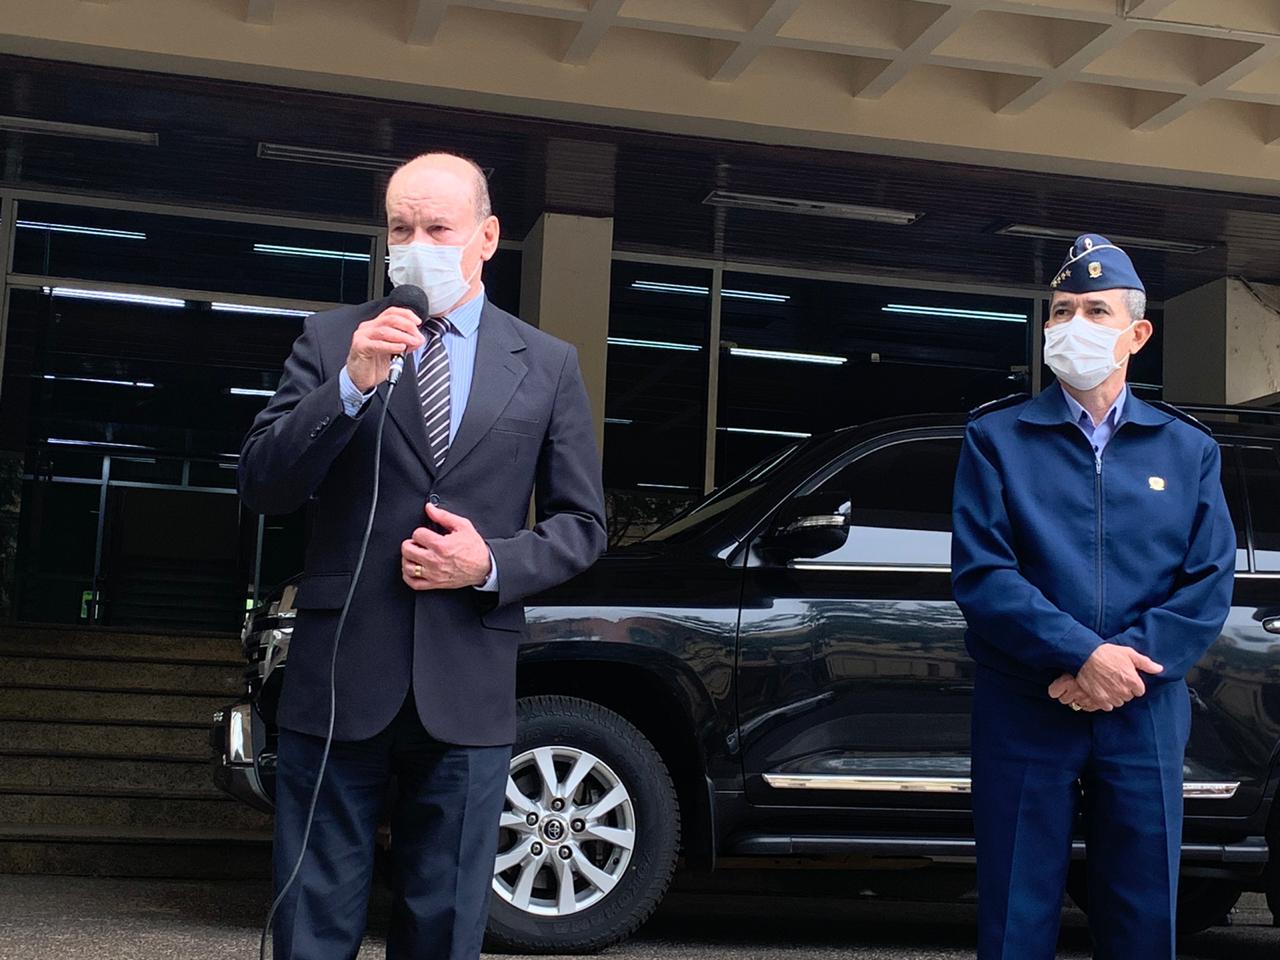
564, 290
1222, 343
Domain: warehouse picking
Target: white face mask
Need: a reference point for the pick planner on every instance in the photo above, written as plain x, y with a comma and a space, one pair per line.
1082, 353
437, 269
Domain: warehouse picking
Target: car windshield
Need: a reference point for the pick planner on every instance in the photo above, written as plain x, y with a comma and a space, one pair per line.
721, 499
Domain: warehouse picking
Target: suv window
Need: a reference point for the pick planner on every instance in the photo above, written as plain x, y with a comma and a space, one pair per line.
897, 499
1232, 487
1262, 479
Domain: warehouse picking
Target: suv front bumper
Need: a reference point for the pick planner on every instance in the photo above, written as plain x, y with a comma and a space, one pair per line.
241, 765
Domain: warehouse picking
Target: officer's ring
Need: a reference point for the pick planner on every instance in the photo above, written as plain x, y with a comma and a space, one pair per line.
417, 575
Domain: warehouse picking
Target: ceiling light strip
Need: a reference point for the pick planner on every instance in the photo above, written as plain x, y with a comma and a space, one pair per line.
112, 296
820, 358
56, 128
653, 344
85, 231
259, 309
953, 312
654, 286
109, 383
311, 252
813, 208
767, 433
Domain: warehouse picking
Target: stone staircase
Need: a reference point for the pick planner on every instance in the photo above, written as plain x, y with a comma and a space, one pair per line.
105, 760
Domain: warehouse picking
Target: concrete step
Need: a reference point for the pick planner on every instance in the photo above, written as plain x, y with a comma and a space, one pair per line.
18, 639
22, 703
195, 853
189, 742
91, 673
97, 771
107, 808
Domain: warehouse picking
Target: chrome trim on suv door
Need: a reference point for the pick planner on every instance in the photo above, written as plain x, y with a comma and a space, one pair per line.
1192, 790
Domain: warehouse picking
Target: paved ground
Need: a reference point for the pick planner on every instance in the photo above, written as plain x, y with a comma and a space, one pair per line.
79, 919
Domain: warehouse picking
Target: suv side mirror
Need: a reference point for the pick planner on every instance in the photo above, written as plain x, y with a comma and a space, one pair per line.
810, 535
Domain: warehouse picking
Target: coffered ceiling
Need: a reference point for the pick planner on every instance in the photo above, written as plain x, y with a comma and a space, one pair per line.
1183, 92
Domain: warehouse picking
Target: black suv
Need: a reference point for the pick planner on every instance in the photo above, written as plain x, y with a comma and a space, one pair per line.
780, 674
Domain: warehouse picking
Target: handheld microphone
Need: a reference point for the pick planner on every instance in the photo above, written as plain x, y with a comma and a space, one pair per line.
410, 297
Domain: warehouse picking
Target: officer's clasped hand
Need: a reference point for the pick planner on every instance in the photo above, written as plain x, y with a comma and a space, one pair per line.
1110, 678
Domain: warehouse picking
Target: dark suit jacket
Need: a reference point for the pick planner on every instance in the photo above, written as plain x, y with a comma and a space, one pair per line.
527, 428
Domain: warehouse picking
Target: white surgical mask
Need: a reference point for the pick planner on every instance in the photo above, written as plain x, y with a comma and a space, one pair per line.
437, 269
1082, 353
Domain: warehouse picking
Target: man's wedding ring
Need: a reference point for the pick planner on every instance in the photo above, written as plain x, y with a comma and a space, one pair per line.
1074, 706
417, 575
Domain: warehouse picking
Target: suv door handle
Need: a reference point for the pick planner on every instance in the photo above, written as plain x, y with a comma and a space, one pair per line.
1271, 624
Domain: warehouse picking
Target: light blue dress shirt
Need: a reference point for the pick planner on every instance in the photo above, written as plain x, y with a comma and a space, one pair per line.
1098, 435
460, 342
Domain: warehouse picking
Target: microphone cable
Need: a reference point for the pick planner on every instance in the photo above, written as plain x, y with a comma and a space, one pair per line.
392, 379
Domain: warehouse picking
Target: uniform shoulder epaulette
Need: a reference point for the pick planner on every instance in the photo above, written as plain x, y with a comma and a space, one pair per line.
1180, 414
1003, 403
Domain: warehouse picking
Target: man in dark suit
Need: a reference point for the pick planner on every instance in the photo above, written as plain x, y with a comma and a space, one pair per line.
490, 411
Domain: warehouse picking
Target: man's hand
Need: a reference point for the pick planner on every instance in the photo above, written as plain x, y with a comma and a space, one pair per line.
392, 332
1068, 693
1112, 675
459, 557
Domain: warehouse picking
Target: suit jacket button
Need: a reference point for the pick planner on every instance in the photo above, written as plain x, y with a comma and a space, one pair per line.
434, 499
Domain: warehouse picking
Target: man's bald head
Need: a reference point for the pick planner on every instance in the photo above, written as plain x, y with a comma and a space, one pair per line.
444, 164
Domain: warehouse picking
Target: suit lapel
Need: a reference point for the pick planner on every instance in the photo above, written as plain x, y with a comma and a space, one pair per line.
498, 372
406, 411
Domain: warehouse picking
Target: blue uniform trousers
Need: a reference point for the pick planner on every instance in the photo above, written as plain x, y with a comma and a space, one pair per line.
1036, 763
444, 828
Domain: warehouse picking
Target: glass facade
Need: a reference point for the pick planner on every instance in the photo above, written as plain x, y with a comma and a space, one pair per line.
803, 356
141, 345
136, 358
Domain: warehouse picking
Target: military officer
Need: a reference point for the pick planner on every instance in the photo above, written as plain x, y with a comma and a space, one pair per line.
1093, 558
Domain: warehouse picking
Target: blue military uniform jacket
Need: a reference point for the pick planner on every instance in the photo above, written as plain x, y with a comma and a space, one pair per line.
1055, 553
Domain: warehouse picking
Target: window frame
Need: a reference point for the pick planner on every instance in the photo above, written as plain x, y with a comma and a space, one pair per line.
826, 472
1246, 495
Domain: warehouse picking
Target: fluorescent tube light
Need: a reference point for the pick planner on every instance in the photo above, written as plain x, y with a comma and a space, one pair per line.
250, 392
335, 158
56, 128
86, 231
112, 296
256, 308
109, 383
654, 286
812, 208
665, 486
619, 421
1142, 243
653, 344
788, 355
767, 433
314, 253
328, 158
954, 312
61, 442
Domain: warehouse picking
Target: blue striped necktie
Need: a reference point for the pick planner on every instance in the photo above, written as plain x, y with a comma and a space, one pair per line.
433, 388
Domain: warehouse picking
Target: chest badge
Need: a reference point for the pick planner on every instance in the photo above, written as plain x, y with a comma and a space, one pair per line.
1156, 484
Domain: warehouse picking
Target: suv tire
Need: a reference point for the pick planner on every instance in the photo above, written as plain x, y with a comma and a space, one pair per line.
580, 869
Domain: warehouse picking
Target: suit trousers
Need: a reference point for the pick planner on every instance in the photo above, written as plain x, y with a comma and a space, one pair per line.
1038, 764
444, 834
